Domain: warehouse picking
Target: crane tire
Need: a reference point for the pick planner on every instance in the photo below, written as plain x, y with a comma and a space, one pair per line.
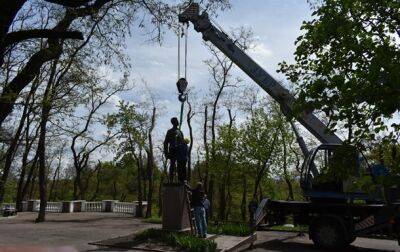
329, 233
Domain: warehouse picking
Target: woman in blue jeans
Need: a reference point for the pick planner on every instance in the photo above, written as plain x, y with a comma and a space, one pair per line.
199, 211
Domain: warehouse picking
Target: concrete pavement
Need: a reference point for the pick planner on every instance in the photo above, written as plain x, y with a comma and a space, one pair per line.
73, 232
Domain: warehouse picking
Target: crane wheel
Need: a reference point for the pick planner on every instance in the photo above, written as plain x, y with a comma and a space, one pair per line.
329, 233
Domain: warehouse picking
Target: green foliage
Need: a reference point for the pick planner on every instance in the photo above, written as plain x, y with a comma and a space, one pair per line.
154, 219
230, 229
348, 64
289, 228
133, 124
260, 128
183, 241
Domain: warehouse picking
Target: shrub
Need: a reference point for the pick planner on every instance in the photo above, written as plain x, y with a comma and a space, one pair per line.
154, 220
183, 241
230, 229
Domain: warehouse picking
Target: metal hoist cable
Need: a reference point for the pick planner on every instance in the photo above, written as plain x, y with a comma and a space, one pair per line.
182, 82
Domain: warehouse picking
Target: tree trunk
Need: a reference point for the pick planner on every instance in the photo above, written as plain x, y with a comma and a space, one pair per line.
261, 171
189, 116
150, 168
96, 192
77, 182
21, 190
114, 190
285, 171
41, 149
163, 176
229, 204
207, 160
225, 180
144, 179
42, 164
32, 188
214, 115
222, 199
210, 194
53, 182
150, 165
243, 204
9, 157
7, 14
139, 212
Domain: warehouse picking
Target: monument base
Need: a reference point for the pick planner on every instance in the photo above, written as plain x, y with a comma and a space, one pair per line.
175, 216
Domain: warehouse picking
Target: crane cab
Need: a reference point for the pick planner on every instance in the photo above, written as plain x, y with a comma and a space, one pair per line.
330, 173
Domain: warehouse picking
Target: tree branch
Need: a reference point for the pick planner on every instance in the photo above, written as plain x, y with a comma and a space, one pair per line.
18, 36
69, 3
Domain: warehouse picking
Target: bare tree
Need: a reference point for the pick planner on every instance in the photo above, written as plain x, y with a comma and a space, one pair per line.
189, 116
81, 153
150, 162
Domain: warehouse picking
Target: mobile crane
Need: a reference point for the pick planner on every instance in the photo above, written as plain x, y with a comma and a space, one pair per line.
335, 212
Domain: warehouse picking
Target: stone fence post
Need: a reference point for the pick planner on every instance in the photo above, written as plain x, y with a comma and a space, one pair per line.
108, 205
79, 205
33, 205
67, 207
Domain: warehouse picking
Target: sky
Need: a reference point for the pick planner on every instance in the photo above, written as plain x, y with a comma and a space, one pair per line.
275, 24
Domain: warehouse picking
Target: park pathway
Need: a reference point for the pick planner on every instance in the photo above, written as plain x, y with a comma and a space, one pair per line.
74, 231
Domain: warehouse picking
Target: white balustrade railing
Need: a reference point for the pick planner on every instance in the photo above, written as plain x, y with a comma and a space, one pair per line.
124, 207
90, 206
54, 207
94, 206
3, 205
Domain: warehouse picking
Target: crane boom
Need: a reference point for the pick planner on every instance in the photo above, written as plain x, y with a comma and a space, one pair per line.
223, 42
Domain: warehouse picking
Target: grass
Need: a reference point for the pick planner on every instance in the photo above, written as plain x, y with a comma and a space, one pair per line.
154, 219
288, 228
230, 229
183, 241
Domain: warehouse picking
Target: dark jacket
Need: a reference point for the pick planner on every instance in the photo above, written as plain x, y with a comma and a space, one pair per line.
197, 198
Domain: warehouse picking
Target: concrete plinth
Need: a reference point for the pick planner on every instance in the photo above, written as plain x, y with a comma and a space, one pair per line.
175, 215
33, 205
108, 205
67, 207
79, 206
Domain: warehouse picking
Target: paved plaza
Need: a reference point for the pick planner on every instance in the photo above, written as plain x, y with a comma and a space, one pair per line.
73, 232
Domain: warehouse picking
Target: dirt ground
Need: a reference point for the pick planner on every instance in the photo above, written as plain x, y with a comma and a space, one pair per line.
72, 232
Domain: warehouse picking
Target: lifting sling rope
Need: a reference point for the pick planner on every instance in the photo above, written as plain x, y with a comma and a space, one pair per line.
182, 82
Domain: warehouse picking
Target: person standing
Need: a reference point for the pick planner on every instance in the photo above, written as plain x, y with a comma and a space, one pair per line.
199, 211
207, 206
173, 137
181, 159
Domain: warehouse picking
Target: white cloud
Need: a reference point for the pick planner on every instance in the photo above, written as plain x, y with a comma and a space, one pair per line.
261, 51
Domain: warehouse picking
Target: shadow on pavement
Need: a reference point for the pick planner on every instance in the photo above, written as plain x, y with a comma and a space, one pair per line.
282, 245
108, 249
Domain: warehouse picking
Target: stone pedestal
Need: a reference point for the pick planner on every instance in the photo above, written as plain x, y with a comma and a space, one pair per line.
24, 206
33, 205
108, 205
79, 205
175, 216
67, 207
